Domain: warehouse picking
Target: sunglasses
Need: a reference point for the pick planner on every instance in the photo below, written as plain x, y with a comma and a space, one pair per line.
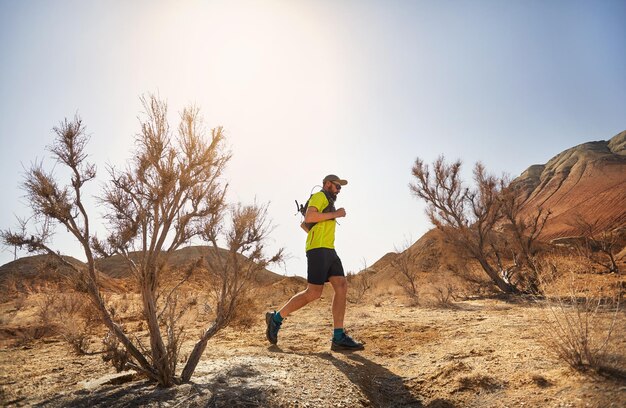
337, 186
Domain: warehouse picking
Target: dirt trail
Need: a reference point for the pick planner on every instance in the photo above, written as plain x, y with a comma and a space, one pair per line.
485, 353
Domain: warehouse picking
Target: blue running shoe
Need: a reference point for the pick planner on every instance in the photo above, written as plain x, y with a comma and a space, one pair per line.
272, 327
346, 343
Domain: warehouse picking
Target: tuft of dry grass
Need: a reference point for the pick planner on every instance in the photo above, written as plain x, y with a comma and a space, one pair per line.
581, 321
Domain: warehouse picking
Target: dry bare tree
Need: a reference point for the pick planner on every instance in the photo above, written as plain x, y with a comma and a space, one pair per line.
486, 222
158, 203
526, 230
467, 217
52, 202
170, 193
595, 239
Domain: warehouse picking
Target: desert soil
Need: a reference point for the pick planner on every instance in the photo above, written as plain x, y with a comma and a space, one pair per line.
478, 353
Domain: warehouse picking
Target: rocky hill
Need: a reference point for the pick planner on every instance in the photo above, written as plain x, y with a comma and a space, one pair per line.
588, 181
116, 266
32, 272
430, 254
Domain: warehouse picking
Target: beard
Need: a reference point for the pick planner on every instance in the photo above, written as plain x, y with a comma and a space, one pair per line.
330, 196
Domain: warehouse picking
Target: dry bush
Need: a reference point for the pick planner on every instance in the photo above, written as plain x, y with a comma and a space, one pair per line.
407, 272
171, 191
74, 333
43, 326
114, 352
11, 288
470, 217
75, 317
247, 312
582, 320
599, 245
70, 315
126, 307
360, 284
46, 305
444, 294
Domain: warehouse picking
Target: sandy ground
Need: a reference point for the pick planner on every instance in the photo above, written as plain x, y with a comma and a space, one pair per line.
479, 353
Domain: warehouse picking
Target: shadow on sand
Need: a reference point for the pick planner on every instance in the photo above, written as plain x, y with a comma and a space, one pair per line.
236, 387
228, 389
382, 387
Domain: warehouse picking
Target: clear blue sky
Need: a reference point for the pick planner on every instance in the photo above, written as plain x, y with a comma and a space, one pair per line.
307, 88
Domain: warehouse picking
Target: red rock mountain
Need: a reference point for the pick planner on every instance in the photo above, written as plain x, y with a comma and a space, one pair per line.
588, 180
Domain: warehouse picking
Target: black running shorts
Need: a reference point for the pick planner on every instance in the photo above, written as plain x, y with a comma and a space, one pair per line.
322, 263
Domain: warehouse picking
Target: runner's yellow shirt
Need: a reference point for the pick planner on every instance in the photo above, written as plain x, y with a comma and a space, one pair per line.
322, 235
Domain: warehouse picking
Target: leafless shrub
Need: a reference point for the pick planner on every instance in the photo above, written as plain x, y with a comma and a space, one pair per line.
359, 283
171, 192
70, 304
470, 219
13, 288
74, 333
581, 322
78, 318
64, 314
445, 294
114, 352
598, 243
47, 305
525, 230
407, 272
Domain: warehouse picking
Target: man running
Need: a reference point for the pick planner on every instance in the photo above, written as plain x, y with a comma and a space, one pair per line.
323, 265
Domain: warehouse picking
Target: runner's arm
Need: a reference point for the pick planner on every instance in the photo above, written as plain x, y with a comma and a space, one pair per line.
313, 215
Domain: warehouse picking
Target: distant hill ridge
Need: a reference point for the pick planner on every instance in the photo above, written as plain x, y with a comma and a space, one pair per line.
38, 270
